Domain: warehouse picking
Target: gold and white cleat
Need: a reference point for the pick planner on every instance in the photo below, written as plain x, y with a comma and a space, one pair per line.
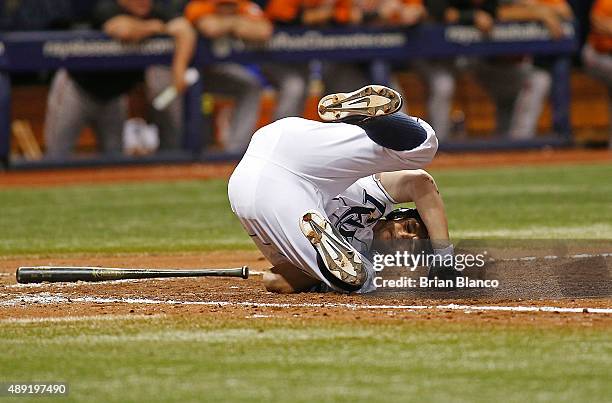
344, 265
367, 102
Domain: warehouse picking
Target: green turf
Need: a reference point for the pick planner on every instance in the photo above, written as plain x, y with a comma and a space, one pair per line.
173, 359
536, 202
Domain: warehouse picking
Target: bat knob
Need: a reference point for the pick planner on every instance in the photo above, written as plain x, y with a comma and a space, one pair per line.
245, 272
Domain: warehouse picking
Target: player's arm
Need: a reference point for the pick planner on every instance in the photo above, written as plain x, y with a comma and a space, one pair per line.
402, 12
253, 26
184, 45
318, 15
132, 29
482, 18
560, 7
544, 14
288, 279
601, 24
412, 13
563, 10
419, 187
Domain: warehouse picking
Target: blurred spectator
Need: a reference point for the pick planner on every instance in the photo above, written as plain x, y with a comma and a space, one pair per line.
33, 15
99, 99
243, 20
551, 13
402, 13
597, 53
440, 73
337, 77
28, 15
392, 13
534, 91
289, 79
7, 9
517, 87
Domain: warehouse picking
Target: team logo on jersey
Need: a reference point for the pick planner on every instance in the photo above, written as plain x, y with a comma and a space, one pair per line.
359, 217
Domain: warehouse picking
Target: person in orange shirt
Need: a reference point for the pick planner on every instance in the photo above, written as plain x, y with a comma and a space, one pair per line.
243, 20
240, 18
393, 12
537, 80
337, 77
396, 13
313, 12
600, 37
597, 53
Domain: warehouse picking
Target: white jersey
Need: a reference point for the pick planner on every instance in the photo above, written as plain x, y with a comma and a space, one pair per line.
356, 211
294, 165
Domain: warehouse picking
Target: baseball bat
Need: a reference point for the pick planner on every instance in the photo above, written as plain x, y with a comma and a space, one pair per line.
165, 98
70, 274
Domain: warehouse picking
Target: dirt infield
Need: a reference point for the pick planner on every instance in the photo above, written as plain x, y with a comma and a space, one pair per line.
237, 298
542, 297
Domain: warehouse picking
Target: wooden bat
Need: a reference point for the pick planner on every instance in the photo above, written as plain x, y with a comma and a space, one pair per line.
165, 98
71, 274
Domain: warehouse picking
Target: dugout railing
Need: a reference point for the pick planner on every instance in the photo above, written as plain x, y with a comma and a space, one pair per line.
92, 50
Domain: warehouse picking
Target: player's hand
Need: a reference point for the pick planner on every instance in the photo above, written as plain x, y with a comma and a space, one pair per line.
387, 9
156, 27
178, 79
410, 15
483, 21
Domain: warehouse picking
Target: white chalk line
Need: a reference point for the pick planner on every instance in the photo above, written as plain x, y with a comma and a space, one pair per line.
47, 298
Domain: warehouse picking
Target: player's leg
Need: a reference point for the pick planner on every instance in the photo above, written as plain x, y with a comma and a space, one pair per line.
290, 82
529, 104
441, 91
238, 82
333, 156
302, 232
66, 116
287, 279
366, 102
599, 65
170, 120
502, 81
339, 262
375, 108
108, 124
271, 204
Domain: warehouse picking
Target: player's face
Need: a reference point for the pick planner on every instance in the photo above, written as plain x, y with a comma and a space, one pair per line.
139, 8
407, 228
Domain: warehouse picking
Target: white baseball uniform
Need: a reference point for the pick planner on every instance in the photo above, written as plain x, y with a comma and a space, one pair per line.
294, 165
356, 211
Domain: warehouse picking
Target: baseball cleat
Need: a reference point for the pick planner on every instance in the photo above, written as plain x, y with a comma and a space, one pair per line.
367, 102
343, 263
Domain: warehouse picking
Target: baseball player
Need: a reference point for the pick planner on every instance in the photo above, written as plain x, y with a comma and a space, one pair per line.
313, 195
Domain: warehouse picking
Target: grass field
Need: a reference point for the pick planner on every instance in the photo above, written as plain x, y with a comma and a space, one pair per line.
538, 202
219, 357
165, 359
